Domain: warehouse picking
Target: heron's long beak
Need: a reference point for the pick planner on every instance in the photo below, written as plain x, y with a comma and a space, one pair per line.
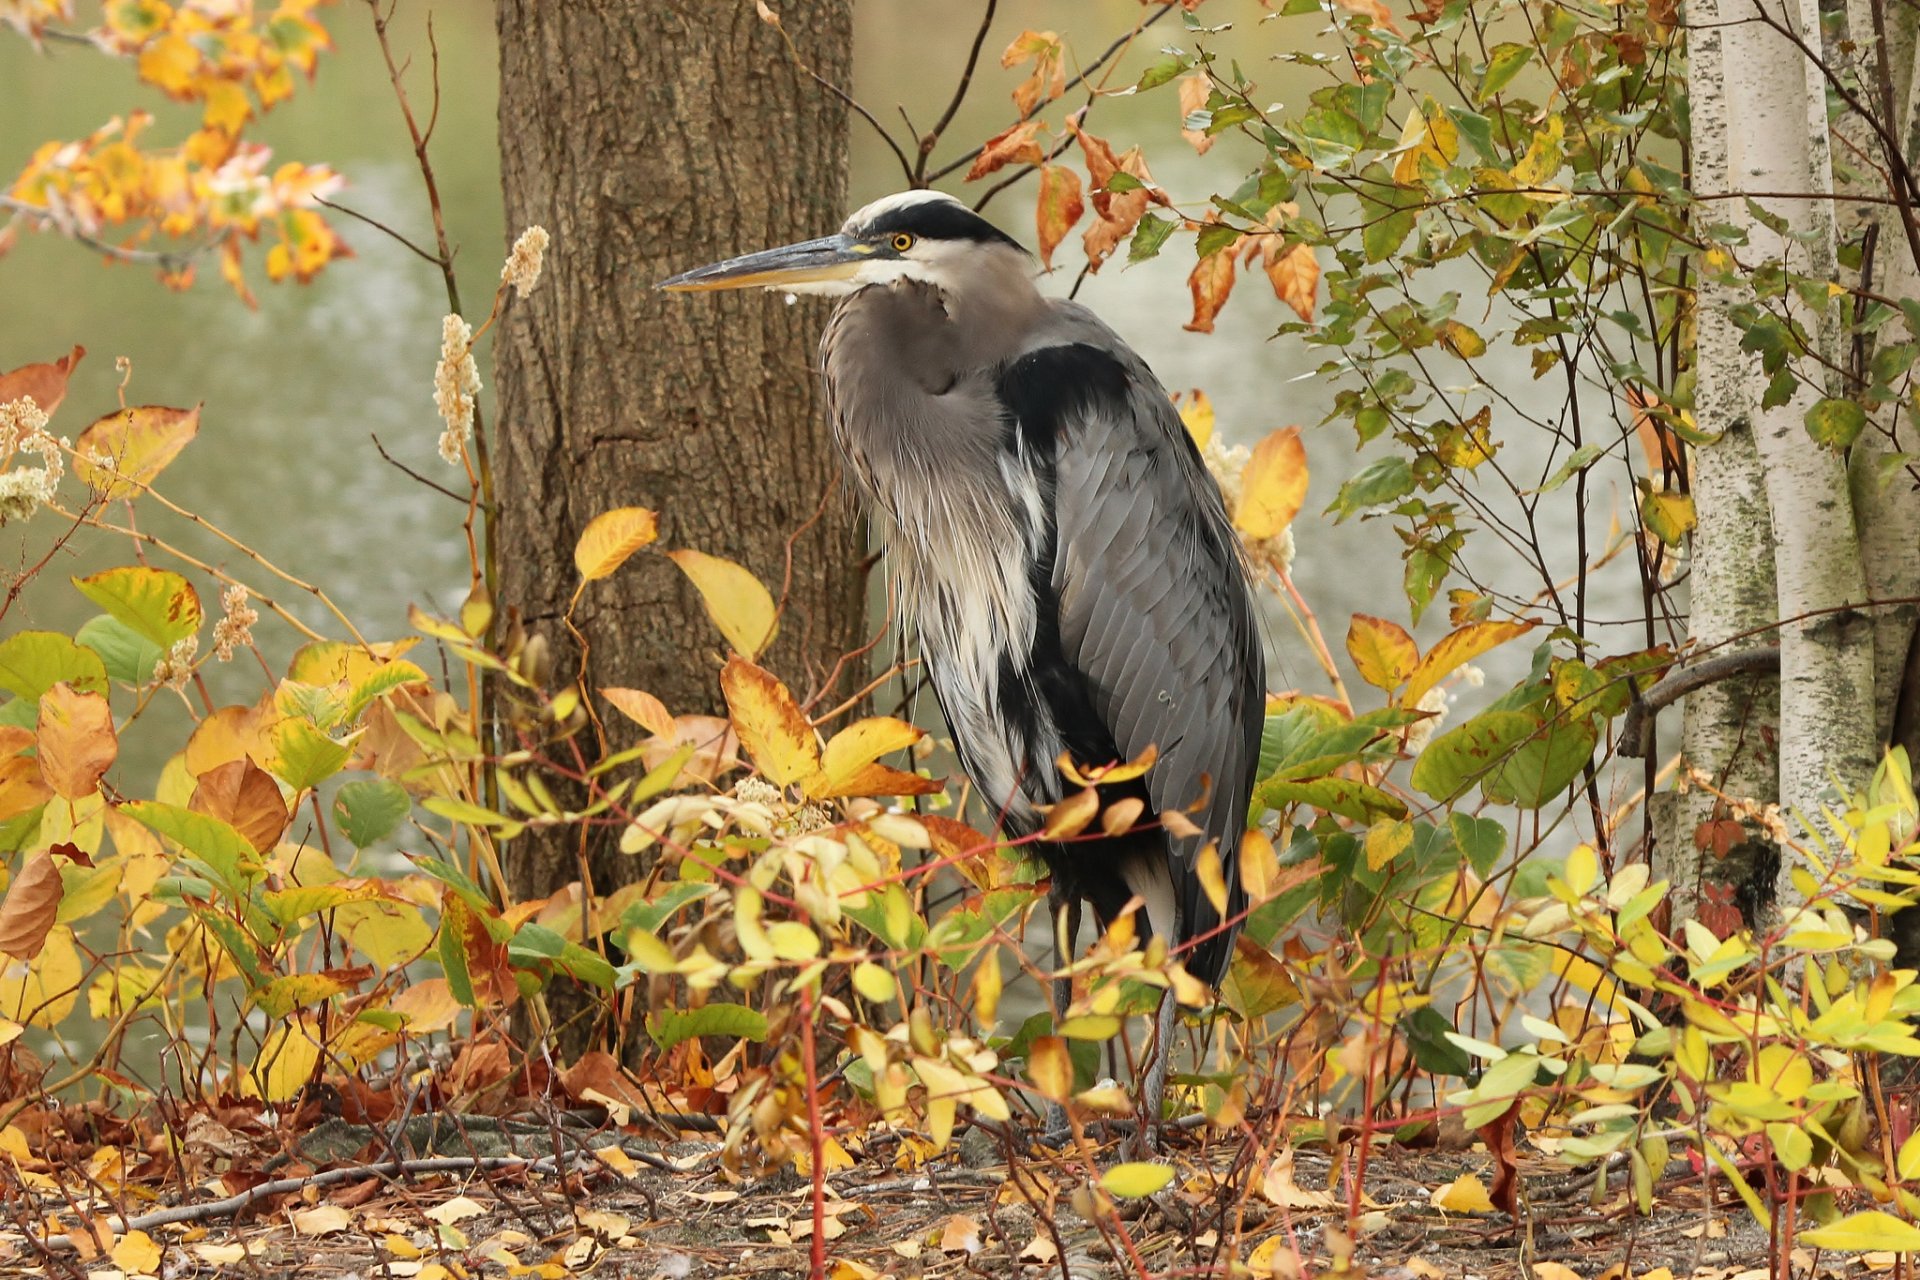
828, 258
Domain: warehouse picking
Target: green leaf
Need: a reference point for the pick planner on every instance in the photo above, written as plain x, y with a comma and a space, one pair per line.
1163, 71
1503, 64
1870, 1231
1214, 237
1579, 459
303, 756
1426, 1031
1359, 801
32, 662
1148, 237
155, 603
453, 961
227, 853
234, 941
1465, 754
1836, 423
1543, 765
129, 656
671, 1027
1386, 480
1481, 841
368, 811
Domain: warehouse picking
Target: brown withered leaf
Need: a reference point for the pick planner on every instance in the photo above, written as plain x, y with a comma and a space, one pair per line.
77, 741
1018, 145
1049, 76
28, 911
245, 796
1294, 272
1210, 283
1119, 211
71, 852
1370, 9
45, 384
1194, 91
1060, 207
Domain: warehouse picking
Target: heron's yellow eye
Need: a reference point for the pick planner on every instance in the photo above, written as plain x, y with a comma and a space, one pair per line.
902, 242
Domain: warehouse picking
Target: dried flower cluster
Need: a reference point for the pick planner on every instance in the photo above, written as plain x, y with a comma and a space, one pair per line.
175, 668
23, 490
234, 630
455, 382
523, 263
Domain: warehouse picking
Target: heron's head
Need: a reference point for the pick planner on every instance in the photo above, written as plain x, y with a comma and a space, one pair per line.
926, 236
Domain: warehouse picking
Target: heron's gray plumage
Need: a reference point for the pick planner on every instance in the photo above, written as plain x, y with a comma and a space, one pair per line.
1064, 559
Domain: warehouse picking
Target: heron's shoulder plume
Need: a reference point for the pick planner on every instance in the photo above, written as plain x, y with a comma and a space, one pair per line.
927, 215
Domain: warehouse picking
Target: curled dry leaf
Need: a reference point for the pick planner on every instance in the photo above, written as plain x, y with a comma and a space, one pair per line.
1059, 208
1119, 211
1049, 75
245, 796
1210, 283
76, 740
44, 384
1018, 145
30, 908
1294, 273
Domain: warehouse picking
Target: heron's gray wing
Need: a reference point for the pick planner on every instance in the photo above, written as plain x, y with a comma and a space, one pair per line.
1152, 598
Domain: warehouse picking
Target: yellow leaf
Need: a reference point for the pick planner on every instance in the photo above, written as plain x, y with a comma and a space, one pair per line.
617, 1160
1050, 1068
1456, 650
285, 1063
1382, 651
1278, 1186
1213, 881
1862, 1231
874, 983
739, 605
1465, 1194
643, 709
851, 765
1544, 154
1273, 485
43, 991
1196, 414
1428, 136
1386, 841
136, 445
771, 725
1135, 1180
136, 1252
458, 1209
1071, 816
321, 1220
610, 538
1259, 866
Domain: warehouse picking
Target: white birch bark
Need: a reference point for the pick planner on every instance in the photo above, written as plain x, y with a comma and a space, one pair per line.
1731, 577
1777, 141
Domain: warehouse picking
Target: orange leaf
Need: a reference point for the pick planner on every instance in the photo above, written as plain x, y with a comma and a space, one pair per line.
245, 797
1060, 206
1370, 9
1017, 145
32, 903
771, 725
77, 741
643, 709
1210, 283
21, 787
1382, 651
1456, 649
1295, 274
610, 538
137, 444
1194, 91
1119, 212
1274, 484
1048, 77
1071, 816
44, 384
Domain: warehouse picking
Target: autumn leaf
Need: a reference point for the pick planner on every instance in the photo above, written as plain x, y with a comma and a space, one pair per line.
771, 725
1429, 137
243, 795
1047, 79
1018, 145
1119, 211
1209, 283
1059, 208
1370, 9
736, 601
610, 538
1382, 651
1294, 273
31, 906
76, 739
850, 766
1455, 650
45, 384
1194, 92
642, 708
1465, 1194
136, 444
1274, 485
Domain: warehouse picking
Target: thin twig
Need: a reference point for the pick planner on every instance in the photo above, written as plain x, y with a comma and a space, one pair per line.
932, 137
377, 225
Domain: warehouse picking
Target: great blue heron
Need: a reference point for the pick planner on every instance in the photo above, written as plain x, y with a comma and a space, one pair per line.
1060, 548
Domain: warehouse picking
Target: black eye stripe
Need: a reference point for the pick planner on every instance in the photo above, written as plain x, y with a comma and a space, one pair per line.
935, 220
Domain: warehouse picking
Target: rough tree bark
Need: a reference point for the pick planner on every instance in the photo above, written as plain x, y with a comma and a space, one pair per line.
649, 136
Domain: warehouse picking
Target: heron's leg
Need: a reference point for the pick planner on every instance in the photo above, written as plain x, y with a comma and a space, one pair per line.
1153, 1092
1066, 931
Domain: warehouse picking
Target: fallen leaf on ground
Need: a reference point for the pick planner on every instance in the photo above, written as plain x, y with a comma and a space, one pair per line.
458, 1209
1465, 1194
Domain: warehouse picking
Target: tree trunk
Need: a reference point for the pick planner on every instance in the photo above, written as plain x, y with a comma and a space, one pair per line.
649, 136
